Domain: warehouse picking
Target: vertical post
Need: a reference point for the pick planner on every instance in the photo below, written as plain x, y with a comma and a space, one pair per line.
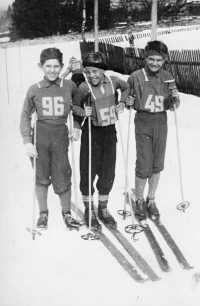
7, 77
84, 20
34, 175
96, 23
154, 17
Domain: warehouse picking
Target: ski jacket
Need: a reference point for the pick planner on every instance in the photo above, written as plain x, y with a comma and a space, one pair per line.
101, 98
51, 101
152, 90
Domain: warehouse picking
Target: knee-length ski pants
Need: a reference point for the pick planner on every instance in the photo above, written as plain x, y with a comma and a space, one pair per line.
151, 138
52, 165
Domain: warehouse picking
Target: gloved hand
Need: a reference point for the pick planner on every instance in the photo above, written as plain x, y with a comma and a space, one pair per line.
30, 150
74, 135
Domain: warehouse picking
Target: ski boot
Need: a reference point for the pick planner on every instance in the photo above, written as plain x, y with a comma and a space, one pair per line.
42, 222
140, 210
106, 218
94, 221
70, 222
152, 210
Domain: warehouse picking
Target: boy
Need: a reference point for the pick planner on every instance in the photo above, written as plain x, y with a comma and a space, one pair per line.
155, 92
75, 66
97, 98
51, 99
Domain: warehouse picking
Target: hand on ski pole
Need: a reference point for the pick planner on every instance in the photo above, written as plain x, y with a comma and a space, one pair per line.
30, 150
74, 135
130, 100
119, 107
174, 94
87, 111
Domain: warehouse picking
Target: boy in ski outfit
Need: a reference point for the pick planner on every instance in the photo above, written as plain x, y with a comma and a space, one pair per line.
51, 99
75, 66
154, 93
97, 98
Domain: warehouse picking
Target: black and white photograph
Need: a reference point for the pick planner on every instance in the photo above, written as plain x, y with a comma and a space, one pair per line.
99, 159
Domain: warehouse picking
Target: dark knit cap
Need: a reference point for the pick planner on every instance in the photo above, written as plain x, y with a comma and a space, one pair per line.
156, 48
51, 53
95, 59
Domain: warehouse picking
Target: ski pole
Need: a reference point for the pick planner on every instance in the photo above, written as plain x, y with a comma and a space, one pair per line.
184, 204
90, 168
123, 212
33, 231
133, 228
74, 170
90, 235
126, 167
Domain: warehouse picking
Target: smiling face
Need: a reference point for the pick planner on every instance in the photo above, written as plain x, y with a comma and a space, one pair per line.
94, 75
51, 69
154, 62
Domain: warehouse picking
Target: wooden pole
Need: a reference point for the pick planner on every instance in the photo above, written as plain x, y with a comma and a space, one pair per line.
154, 18
84, 20
96, 23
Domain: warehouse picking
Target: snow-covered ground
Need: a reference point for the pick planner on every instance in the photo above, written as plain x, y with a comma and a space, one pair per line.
175, 40
60, 268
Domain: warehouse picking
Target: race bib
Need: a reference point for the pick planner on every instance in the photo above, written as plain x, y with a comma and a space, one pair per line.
105, 109
52, 106
154, 104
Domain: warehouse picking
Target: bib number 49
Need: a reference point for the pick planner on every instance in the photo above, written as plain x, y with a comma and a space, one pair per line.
155, 106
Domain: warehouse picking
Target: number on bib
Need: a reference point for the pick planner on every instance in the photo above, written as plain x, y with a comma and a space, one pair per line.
53, 106
58, 106
155, 106
47, 104
108, 115
76, 66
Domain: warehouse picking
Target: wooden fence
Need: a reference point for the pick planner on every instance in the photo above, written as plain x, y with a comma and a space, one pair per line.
184, 65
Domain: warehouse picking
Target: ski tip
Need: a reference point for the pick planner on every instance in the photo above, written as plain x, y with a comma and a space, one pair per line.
186, 267
155, 279
166, 269
143, 280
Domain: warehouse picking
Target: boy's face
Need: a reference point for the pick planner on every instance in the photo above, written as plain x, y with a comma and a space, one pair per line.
51, 69
94, 75
154, 62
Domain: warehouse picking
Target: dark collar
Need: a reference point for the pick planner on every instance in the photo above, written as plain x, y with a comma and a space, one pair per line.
150, 73
106, 79
46, 83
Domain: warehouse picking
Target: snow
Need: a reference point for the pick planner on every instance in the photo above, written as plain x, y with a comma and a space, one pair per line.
60, 268
174, 40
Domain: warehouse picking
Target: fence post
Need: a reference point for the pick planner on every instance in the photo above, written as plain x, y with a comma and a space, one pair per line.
154, 20
96, 25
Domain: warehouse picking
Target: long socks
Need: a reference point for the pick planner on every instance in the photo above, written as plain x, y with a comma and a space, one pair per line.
153, 184
41, 193
65, 201
140, 184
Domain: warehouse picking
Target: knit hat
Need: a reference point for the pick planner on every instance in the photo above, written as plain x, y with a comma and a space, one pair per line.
72, 59
51, 53
95, 59
156, 48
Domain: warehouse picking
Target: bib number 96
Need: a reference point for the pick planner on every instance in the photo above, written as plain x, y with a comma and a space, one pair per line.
53, 106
